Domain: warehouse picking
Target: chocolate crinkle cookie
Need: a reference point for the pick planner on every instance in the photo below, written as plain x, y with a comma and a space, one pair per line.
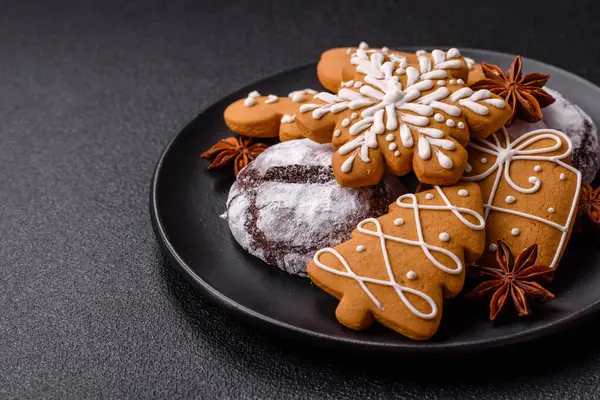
286, 204
567, 117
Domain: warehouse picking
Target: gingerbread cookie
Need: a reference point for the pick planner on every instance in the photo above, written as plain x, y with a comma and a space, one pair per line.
333, 63
402, 117
267, 116
530, 191
398, 268
475, 70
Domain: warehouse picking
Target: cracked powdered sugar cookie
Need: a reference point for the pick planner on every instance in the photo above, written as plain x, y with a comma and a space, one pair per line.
286, 204
568, 118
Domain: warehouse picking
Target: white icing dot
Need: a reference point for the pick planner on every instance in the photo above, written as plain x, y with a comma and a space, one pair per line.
401, 71
450, 123
398, 221
454, 53
397, 153
532, 179
510, 199
438, 117
363, 46
298, 96
411, 275
272, 99
360, 248
460, 82
429, 196
515, 231
286, 119
345, 122
562, 177
493, 247
349, 83
254, 93
337, 133
463, 193
392, 146
484, 160
354, 116
358, 84
249, 102
452, 81
441, 83
468, 168
461, 125
444, 237
551, 210
537, 168
389, 137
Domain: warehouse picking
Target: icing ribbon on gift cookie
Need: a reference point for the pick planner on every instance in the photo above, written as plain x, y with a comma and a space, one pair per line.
542, 146
267, 116
393, 109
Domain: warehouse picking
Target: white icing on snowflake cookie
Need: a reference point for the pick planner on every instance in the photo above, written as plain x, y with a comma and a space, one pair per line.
400, 99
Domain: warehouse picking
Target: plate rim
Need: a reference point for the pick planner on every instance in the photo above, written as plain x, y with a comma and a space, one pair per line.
325, 340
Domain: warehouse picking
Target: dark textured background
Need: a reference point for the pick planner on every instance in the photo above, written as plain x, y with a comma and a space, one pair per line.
90, 93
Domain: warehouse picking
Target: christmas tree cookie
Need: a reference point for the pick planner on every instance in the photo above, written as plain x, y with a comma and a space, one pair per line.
398, 268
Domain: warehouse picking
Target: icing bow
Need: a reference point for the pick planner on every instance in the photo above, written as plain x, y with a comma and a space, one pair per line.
517, 150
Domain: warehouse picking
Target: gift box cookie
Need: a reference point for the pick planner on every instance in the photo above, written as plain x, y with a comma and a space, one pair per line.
530, 191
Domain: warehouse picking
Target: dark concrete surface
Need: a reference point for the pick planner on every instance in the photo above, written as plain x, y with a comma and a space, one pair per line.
91, 92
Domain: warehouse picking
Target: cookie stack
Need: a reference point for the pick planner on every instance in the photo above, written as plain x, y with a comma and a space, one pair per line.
498, 205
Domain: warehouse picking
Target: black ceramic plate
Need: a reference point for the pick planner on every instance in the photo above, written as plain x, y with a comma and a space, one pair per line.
186, 201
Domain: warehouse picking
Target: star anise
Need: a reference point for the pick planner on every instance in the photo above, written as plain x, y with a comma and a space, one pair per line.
517, 280
241, 152
589, 203
525, 94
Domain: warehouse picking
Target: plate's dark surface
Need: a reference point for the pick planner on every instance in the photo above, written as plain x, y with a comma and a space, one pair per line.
187, 200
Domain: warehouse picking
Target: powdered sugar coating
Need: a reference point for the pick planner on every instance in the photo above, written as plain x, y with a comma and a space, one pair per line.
293, 153
286, 205
566, 117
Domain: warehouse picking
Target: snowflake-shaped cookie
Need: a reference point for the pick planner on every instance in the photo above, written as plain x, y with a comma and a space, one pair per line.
404, 116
